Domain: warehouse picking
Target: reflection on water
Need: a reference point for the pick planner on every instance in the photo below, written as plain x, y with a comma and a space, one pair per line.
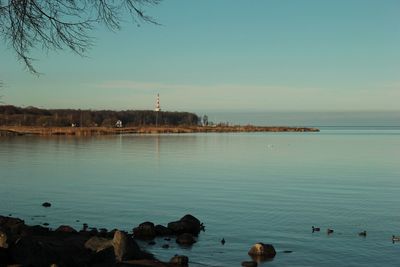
245, 187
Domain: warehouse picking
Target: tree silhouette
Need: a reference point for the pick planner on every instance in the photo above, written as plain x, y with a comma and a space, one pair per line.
31, 116
59, 24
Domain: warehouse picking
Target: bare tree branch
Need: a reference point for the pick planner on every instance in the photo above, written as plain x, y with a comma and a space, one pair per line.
59, 24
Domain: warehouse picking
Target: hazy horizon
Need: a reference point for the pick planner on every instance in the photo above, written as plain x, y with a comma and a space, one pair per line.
210, 110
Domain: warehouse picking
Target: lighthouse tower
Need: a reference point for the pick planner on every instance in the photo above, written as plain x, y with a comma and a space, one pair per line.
158, 108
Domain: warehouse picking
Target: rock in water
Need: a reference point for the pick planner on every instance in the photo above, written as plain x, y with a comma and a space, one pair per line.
249, 264
125, 248
185, 239
179, 260
97, 244
3, 240
161, 230
193, 221
363, 233
263, 250
187, 224
46, 204
65, 229
145, 231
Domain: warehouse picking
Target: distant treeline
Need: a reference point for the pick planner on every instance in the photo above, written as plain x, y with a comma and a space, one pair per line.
32, 116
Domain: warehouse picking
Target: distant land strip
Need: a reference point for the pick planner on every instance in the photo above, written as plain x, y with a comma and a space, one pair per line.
90, 131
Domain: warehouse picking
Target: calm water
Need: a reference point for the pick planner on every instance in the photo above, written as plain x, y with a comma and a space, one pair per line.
250, 187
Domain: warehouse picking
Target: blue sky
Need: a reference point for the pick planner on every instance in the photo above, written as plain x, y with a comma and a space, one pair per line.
227, 55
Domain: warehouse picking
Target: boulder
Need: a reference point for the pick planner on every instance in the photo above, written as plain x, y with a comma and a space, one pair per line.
3, 240
249, 264
179, 260
185, 239
36, 229
125, 248
65, 229
11, 225
187, 224
145, 231
46, 204
111, 233
143, 263
161, 230
97, 244
44, 250
261, 250
105, 257
103, 230
93, 231
29, 252
4, 257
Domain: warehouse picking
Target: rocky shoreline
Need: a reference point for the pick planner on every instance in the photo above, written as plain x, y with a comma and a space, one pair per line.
89, 131
36, 246
23, 245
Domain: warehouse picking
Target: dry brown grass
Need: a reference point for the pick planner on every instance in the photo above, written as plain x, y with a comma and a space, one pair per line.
89, 131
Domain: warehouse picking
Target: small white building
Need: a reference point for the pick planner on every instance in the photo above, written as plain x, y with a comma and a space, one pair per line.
118, 124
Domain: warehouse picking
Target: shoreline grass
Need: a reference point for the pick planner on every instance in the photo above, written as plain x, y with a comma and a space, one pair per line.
89, 131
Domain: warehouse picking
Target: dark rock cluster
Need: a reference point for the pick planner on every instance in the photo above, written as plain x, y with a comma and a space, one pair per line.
185, 230
23, 245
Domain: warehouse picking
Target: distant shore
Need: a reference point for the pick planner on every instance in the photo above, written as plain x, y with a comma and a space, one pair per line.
89, 131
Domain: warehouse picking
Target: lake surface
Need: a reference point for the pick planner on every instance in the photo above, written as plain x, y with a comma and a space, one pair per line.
245, 187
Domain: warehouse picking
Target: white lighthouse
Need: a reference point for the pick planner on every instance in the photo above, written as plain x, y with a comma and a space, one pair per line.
158, 108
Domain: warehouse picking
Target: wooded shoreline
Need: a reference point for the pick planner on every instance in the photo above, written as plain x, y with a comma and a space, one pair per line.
91, 131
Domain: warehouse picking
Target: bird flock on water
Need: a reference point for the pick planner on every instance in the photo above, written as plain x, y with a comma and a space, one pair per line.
363, 233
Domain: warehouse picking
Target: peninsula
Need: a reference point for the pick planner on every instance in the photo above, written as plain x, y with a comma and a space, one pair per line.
46, 122
88, 131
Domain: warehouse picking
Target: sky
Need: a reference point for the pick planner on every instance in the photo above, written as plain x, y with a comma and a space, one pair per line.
224, 55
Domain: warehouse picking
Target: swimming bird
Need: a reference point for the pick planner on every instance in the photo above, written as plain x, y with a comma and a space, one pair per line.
363, 233
223, 241
329, 231
395, 238
315, 229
